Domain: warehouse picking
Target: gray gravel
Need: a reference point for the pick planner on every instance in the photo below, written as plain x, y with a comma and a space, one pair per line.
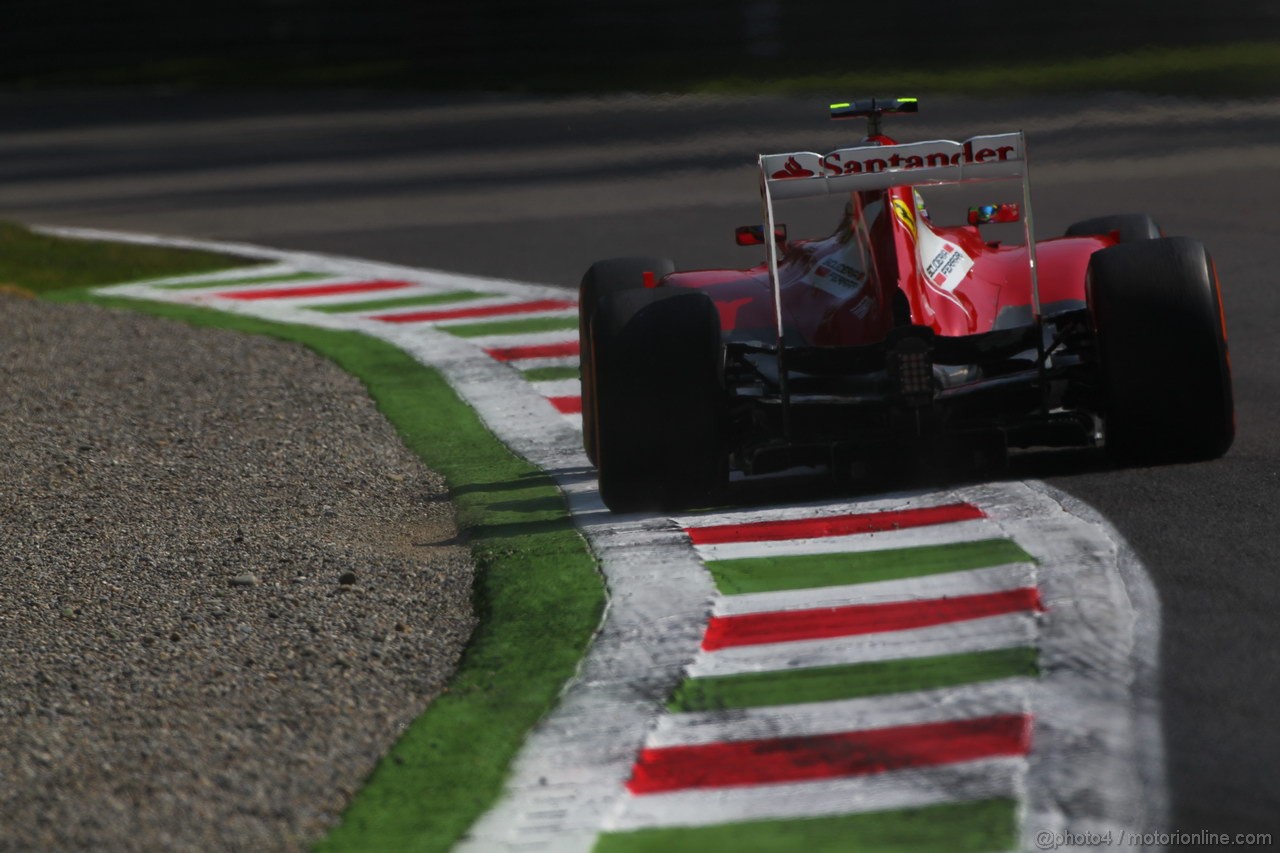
225, 585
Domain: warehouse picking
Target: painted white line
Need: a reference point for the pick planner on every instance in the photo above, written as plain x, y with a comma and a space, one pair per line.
969, 582
898, 789
941, 534
964, 702
1013, 630
1100, 652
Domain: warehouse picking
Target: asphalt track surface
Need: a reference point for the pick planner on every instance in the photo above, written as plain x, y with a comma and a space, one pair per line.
537, 190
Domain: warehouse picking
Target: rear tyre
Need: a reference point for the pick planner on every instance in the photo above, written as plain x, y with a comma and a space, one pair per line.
1162, 349
660, 400
1132, 227
604, 277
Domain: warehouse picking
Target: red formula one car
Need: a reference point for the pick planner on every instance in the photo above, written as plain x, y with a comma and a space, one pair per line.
897, 338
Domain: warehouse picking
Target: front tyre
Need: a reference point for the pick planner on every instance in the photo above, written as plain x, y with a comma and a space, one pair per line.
660, 399
1163, 361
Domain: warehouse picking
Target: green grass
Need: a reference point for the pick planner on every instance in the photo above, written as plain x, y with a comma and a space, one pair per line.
980, 826
40, 264
545, 374
525, 326
537, 596
849, 681
281, 278
398, 302
770, 574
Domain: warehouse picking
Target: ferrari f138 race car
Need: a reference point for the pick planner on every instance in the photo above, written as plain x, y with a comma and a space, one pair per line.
898, 338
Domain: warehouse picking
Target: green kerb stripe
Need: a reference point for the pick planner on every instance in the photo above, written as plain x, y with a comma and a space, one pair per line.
240, 282
513, 327
769, 574
546, 374
982, 825
401, 302
850, 681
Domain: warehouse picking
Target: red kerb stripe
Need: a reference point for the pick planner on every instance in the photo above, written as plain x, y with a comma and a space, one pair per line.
534, 351
783, 626
483, 311
567, 405
314, 290
797, 759
835, 525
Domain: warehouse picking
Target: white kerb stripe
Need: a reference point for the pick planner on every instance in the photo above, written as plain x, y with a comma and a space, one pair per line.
934, 534
1012, 630
558, 387
214, 279
947, 704
535, 363
896, 789
535, 339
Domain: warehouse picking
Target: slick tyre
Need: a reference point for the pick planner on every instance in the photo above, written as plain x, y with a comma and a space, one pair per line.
604, 277
1164, 367
1132, 227
659, 397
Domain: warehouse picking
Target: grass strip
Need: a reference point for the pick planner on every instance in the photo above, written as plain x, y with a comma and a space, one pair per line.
526, 326
38, 263
242, 282
771, 574
547, 374
982, 825
537, 596
849, 681
401, 302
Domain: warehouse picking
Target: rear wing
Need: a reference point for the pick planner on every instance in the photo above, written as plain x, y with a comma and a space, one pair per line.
873, 167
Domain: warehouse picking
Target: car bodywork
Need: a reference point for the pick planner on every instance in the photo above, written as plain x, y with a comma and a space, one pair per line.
895, 337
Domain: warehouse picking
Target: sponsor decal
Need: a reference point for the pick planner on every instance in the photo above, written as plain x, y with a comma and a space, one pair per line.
870, 159
792, 169
838, 272
944, 264
877, 166
853, 161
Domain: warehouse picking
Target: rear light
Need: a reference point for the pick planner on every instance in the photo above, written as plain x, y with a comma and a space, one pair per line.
910, 365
